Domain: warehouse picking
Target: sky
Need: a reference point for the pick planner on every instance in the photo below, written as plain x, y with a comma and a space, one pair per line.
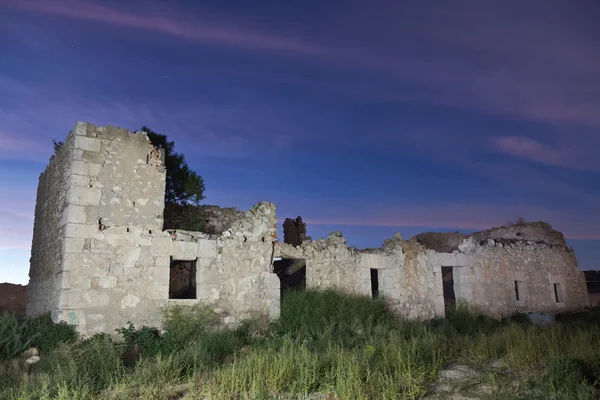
366, 117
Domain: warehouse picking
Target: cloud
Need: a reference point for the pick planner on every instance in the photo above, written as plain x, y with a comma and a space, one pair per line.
573, 153
16, 147
463, 216
16, 229
530, 149
196, 31
473, 56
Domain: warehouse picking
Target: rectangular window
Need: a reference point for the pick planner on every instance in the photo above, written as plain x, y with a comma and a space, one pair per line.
558, 296
182, 279
518, 290
374, 283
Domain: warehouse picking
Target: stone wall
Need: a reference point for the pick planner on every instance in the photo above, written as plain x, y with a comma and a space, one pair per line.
405, 280
487, 275
101, 259
219, 219
234, 270
410, 274
113, 215
203, 218
46, 272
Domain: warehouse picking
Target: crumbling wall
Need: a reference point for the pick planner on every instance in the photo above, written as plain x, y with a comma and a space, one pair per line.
219, 219
234, 270
536, 266
406, 282
443, 242
101, 259
50, 219
538, 232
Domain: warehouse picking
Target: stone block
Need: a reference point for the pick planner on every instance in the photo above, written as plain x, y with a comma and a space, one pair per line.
207, 248
446, 260
86, 143
440, 306
80, 230
207, 274
130, 301
158, 292
131, 257
162, 247
73, 245
464, 260
94, 169
95, 324
98, 298
185, 251
104, 282
79, 167
84, 196
208, 292
272, 281
364, 273
274, 310
79, 180
74, 214
75, 280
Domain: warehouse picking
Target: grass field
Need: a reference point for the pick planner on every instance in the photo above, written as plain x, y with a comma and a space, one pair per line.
325, 346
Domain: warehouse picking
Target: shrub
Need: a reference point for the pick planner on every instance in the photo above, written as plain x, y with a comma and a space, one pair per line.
464, 319
186, 324
14, 336
565, 374
147, 341
329, 316
47, 334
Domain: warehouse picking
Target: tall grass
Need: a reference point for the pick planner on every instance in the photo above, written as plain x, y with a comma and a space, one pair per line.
327, 343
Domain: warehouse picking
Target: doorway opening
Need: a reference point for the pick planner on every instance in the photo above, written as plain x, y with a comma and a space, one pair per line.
558, 295
291, 273
182, 279
374, 283
448, 285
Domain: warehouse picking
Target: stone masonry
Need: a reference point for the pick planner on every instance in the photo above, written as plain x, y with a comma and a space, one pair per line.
101, 259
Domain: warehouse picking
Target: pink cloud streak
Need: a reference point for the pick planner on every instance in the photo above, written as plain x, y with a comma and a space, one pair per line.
197, 32
531, 149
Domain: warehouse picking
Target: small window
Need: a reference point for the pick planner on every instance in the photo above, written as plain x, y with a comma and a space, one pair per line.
558, 296
182, 279
374, 283
518, 293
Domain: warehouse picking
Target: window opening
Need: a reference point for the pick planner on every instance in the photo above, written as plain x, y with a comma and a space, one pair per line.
558, 293
374, 283
182, 279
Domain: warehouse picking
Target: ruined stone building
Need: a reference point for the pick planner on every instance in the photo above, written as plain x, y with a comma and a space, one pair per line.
101, 258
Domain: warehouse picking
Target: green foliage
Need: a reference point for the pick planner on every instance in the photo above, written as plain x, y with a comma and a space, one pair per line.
328, 316
339, 346
146, 340
184, 186
187, 217
565, 374
57, 145
18, 334
14, 337
463, 319
184, 324
47, 334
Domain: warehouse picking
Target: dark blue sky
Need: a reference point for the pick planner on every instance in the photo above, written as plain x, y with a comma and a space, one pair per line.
367, 117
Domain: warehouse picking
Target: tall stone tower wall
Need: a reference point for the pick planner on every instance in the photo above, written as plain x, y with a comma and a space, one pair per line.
100, 202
